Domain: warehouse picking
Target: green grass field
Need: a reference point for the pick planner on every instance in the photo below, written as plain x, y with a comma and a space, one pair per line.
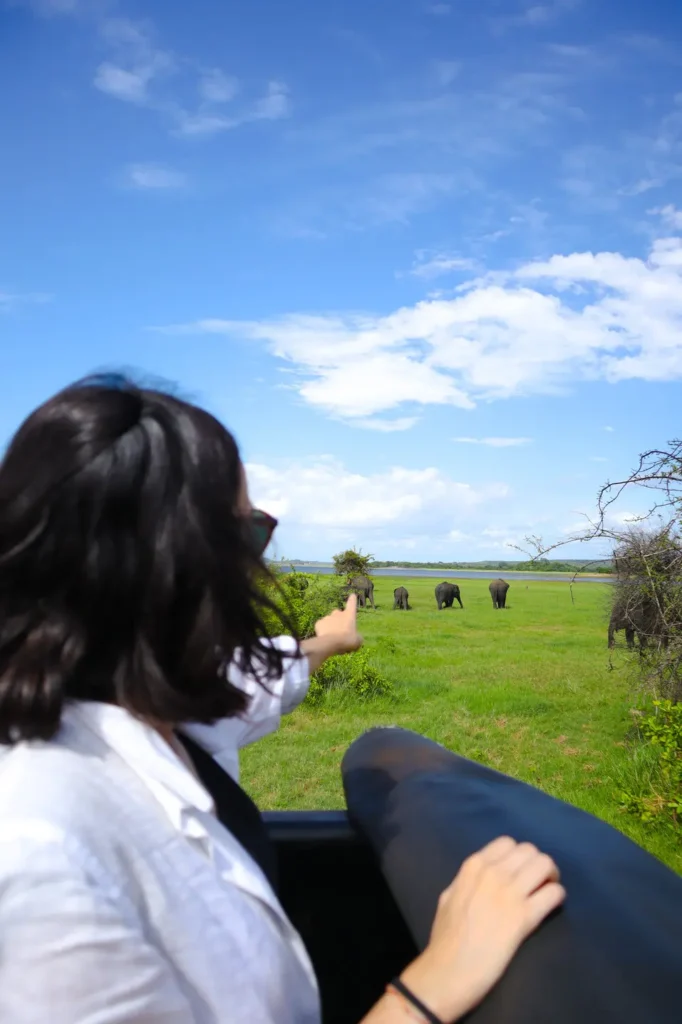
528, 690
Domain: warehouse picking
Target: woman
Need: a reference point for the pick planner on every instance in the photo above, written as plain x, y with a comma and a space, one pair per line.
129, 567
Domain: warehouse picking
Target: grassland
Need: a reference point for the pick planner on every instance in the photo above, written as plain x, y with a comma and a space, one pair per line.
532, 691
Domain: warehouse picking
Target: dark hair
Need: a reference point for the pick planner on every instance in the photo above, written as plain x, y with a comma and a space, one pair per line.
127, 574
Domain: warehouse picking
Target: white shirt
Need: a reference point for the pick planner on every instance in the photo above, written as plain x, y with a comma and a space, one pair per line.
123, 900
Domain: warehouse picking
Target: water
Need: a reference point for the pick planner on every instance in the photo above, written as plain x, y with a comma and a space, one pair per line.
457, 574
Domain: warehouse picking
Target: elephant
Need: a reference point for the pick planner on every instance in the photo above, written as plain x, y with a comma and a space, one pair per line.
364, 588
639, 617
446, 594
621, 620
400, 599
498, 591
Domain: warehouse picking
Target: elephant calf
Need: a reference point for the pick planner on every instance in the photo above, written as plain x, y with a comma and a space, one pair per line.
400, 599
638, 619
446, 594
364, 588
498, 591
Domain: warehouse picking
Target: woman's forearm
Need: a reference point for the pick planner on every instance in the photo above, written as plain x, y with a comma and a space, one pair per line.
439, 986
387, 1011
317, 649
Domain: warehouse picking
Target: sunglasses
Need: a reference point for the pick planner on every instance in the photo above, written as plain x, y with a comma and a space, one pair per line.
262, 528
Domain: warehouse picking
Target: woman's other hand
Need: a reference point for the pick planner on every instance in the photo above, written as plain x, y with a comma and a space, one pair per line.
500, 896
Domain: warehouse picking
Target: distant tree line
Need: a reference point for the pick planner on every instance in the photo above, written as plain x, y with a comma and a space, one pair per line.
365, 563
541, 565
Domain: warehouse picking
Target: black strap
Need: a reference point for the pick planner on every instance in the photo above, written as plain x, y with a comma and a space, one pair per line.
400, 986
234, 809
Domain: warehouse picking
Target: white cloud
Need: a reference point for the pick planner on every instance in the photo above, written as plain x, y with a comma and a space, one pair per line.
138, 69
396, 197
495, 442
670, 215
463, 133
536, 15
274, 105
625, 518
638, 188
153, 176
203, 124
570, 53
217, 87
539, 14
497, 539
435, 264
393, 198
57, 8
549, 324
122, 84
598, 458
387, 426
13, 300
609, 430
324, 493
324, 505
52, 7
446, 71
208, 120
575, 529
137, 62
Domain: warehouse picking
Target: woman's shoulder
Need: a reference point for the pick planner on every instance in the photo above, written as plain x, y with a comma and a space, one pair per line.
61, 792
48, 782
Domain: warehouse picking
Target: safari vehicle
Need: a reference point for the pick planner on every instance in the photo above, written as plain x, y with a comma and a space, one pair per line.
362, 885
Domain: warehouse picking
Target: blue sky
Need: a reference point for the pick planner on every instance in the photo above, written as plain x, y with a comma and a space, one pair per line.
424, 259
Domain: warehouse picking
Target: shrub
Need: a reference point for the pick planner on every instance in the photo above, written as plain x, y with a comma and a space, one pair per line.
654, 790
354, 674
308, 598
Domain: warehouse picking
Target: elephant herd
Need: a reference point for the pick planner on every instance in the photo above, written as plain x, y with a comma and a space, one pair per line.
636, 620
446, 594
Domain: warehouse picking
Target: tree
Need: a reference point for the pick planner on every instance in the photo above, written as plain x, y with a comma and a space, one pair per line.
647, 562
353, 563
647, 596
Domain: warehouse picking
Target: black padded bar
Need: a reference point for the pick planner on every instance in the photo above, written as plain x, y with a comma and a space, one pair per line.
310, 827
611, 955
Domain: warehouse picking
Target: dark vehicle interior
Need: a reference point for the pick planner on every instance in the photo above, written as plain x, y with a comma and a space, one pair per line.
332, 888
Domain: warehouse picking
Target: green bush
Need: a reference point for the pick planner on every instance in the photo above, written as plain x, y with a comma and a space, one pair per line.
654, 789
352, 674
307, 598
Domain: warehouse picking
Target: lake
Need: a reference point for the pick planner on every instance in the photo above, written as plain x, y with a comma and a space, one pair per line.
457, 574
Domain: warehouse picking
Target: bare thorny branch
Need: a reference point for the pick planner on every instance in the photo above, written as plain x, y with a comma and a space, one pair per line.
647, 562
659, 470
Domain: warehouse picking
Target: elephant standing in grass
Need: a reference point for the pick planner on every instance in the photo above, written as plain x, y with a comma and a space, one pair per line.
639, 617
621, 620
498, 591
400, 599
446, 594
364, 588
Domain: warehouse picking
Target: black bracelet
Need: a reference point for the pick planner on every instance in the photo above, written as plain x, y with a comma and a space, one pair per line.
399, 986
